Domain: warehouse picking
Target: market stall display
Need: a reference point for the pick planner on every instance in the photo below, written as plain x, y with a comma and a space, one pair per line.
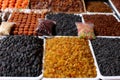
59, 40
67, 57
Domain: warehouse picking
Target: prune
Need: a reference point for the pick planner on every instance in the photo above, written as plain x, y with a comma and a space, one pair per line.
21, 56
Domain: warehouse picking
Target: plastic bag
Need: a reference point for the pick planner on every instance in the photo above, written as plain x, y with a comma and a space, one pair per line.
45, 27
5, 28
85, 30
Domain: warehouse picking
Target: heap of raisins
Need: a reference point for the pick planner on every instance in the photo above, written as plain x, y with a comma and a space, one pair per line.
107, 52
21, 56
65, 23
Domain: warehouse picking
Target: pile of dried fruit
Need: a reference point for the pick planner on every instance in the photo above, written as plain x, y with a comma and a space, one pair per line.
69, 6
13, 4
68, 57
104, 25
107, 52
97, 6
21, 56
65, 23
40, 4
26, 22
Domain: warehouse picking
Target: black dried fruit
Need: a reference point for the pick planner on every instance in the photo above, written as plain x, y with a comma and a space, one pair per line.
21, 56
65, 23
107, 52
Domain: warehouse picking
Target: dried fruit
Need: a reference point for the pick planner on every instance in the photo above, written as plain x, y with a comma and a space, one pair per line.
97, 6
104, 25
21, 56
68, 57
65, 23
14, 4
67, 6
25, 21
107, 52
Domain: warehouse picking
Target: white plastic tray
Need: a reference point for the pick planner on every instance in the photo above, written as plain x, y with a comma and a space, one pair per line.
98, 72
108, 77
21, 78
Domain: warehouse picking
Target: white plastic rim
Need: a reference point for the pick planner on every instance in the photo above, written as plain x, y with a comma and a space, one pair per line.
108, 36
95, 61
69, 79
115, 9
21, 78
